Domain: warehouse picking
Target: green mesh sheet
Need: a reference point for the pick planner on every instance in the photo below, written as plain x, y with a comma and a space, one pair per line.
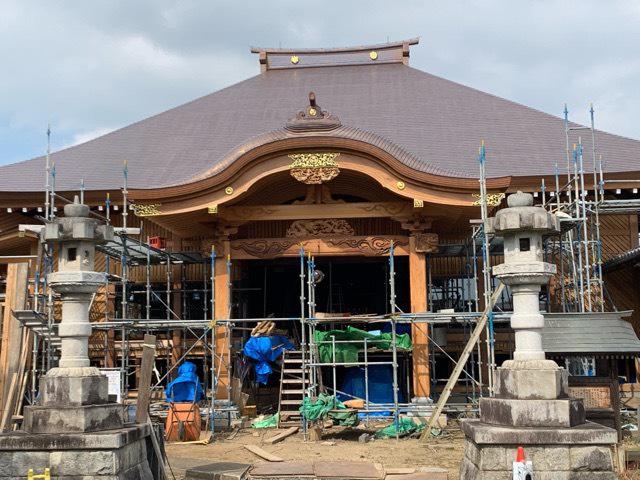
348, 352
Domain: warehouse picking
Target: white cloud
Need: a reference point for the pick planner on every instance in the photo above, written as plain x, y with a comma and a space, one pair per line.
84, 137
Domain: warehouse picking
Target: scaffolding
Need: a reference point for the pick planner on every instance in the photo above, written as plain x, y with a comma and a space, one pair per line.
454, 303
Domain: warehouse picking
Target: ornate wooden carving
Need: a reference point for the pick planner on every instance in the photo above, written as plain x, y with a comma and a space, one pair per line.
146, 210
426, 242
314, 168
493, 199
320, 228
339, 246
369, 246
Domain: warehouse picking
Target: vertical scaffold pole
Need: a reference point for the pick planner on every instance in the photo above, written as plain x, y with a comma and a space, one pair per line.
394, 349
486, 260
598, 197
303, 341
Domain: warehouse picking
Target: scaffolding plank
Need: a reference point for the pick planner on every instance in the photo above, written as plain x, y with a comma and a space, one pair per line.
263, 453
282, 435
146, 371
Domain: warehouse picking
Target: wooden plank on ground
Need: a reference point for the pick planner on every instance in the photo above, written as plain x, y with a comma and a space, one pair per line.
263, 453
15, 299
146, 371
282, 435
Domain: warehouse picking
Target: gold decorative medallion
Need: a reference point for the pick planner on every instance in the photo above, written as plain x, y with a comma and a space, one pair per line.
417, 203
401, 185
228, 190
493, 199
146, 210
314, 168
295, 59
212, 209
373, 55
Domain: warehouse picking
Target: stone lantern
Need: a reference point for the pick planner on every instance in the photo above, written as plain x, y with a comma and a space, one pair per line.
73, 429
532, 407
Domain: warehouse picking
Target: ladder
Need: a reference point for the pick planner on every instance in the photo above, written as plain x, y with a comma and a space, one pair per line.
462, 361
291, 388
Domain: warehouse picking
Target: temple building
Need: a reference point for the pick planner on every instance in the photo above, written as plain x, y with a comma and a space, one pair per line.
284, 197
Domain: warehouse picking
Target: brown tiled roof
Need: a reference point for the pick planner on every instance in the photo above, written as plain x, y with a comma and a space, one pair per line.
436, 126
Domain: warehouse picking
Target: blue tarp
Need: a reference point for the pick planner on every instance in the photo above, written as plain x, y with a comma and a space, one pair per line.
380, 385
265, 350
186, 387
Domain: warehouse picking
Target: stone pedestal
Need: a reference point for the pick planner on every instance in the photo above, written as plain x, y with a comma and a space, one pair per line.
119, 454
532, 410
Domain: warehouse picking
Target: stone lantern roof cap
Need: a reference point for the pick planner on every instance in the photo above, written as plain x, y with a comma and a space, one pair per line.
76, 209
521, 215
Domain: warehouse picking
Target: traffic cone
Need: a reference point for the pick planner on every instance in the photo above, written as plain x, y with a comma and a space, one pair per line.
520, 455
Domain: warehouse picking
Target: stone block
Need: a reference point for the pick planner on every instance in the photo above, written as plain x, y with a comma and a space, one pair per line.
532, 384
562, 413
587, 434
14, 464
74, 391
468, 470
79, 462
545, 459
591, 458
493, 458
87, 418
471, 452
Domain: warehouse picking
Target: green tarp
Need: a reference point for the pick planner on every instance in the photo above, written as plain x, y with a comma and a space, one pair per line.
269, 422
406, 426
327, 406
348, 352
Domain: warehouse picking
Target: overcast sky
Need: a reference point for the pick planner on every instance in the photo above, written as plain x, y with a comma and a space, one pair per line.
89, 67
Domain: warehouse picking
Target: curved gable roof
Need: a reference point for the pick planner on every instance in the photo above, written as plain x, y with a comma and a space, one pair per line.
438, 123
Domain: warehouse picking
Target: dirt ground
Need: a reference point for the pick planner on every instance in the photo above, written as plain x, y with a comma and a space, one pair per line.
336, 444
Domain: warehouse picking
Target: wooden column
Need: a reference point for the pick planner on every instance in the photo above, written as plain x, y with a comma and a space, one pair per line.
419, 331
15, 299
221, 311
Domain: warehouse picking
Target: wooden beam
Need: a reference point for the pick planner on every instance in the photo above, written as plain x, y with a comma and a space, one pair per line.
313, 211
144, 385
15, 299
419, 331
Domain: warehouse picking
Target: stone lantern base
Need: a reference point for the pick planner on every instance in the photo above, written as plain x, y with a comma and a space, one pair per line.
532, 409
77, 433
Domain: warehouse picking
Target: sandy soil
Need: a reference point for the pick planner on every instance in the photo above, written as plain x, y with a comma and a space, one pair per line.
336, 444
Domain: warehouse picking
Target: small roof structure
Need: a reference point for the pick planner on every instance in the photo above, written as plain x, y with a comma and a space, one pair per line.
592, 333
430, 124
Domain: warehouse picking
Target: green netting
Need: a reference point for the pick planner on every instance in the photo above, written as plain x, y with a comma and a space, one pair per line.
348, 352
269, 422
325, 406
406, 426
